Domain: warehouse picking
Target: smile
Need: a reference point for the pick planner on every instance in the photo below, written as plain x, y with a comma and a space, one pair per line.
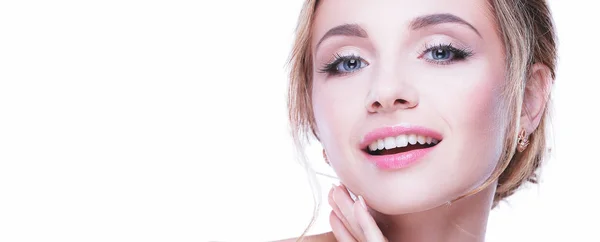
399, 146
400, 143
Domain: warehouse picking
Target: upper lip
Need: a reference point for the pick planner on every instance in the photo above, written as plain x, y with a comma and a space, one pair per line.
395, 130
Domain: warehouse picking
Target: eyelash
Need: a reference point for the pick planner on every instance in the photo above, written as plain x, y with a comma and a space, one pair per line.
331, 67
458, 55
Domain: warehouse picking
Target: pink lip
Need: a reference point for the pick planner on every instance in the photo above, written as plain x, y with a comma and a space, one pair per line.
400, 160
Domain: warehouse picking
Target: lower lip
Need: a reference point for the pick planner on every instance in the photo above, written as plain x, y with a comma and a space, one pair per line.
400, 160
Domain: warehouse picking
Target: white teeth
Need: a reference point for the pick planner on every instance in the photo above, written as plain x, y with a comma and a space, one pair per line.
373, 146
390, 143
401, 141
412, 139
421, 139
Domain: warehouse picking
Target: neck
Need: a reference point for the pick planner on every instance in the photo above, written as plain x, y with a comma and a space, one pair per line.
464, 220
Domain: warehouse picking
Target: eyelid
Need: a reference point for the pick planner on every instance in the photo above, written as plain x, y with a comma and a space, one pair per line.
337, 57
330, 67
448, 46
460, 54
345, 51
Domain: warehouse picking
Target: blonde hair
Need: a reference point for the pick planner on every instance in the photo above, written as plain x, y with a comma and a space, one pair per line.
528, 34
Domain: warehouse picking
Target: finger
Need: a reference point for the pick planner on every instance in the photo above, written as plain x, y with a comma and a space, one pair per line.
339, 229
347, 191
346, 204
370, 230
336, 208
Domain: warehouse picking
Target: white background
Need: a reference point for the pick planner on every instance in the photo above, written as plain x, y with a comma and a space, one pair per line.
166, 121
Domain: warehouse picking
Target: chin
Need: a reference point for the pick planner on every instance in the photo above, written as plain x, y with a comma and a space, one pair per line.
401, 201
415, 189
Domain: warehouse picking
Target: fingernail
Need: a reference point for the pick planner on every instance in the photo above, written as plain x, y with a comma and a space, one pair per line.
362, 202
352, 195
332, 192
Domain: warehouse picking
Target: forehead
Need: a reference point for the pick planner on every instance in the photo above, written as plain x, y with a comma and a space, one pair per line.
391, 18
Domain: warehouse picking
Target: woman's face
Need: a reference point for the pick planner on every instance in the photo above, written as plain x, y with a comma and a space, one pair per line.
407, 98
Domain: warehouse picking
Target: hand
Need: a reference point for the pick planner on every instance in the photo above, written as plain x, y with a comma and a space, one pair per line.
350, 220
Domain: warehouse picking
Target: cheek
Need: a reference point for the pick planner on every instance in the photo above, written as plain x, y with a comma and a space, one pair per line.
479, 107
338, 112
483, 102
477, 121
469, 99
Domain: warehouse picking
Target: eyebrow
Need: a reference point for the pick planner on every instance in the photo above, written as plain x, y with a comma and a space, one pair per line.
344, 30
355, 30
441, 18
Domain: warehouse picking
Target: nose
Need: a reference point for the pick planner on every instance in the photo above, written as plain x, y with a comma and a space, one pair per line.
391, 93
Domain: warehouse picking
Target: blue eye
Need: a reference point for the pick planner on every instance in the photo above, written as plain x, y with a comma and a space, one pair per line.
445, 54
349, 65
342, 65
441, 54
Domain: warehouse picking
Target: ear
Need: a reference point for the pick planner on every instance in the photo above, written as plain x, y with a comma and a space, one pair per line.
536, 97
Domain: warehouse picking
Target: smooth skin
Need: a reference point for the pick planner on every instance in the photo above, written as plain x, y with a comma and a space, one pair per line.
402, 72
350, 220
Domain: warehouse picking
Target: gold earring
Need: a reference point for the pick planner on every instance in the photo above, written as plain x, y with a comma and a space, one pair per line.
325, 157
523, 141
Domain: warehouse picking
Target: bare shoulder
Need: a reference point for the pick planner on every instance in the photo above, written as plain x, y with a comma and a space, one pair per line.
326, 237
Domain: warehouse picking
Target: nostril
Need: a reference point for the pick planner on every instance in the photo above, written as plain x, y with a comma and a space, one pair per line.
400, 101
376, 105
